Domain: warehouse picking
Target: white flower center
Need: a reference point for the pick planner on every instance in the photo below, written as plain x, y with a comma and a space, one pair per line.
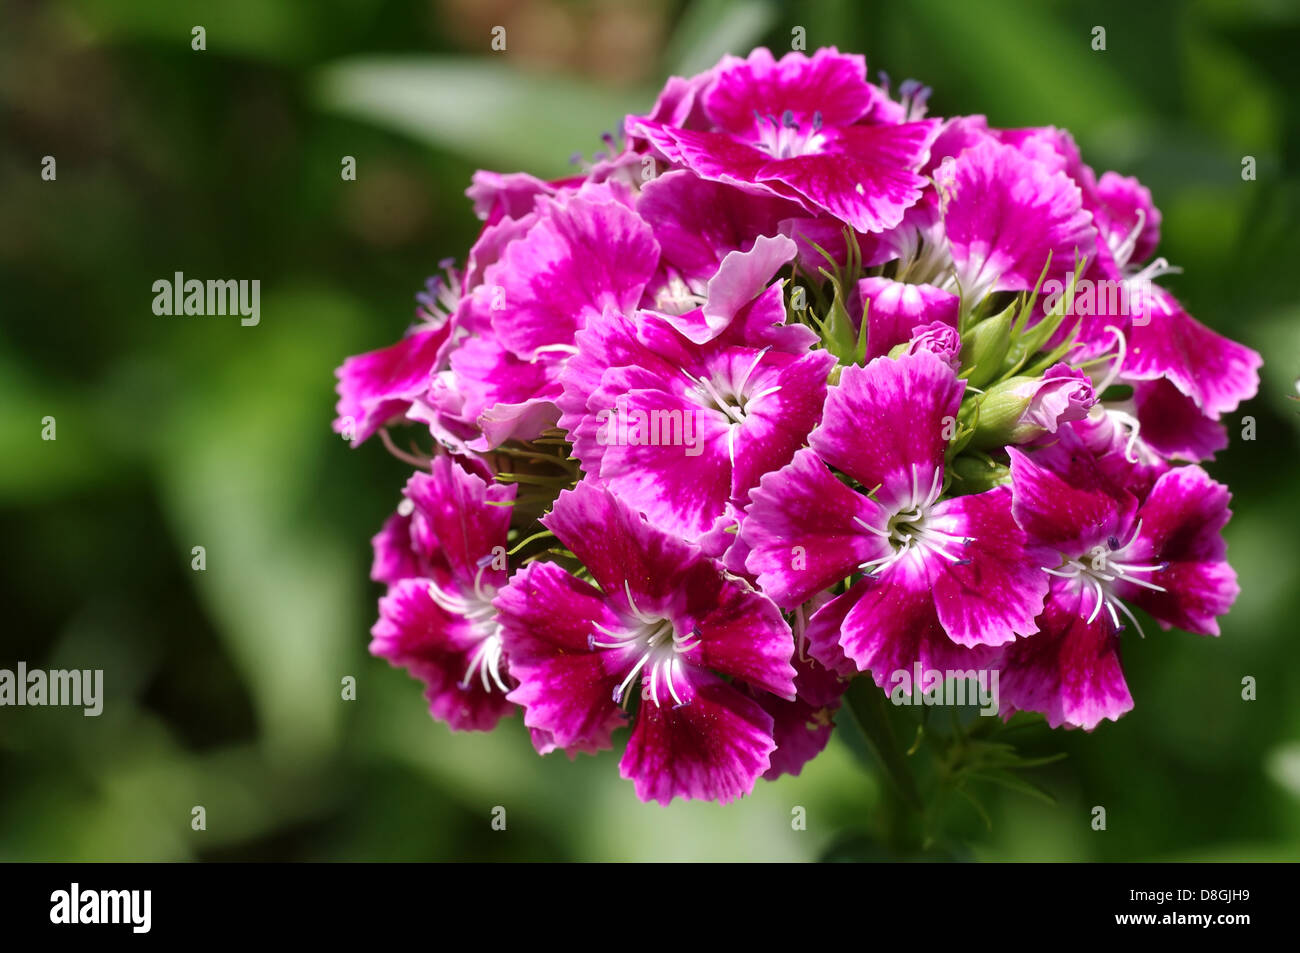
658, 647
730, 395
787, 139
1099, 570
476, 608
908, 531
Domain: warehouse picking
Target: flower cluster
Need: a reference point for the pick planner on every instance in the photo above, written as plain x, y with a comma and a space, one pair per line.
791, 384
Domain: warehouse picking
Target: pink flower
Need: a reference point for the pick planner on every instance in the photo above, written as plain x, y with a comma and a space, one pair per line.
664, 625
808, 129
941, 576
760, 402
443, 556
1103, 548
1062, 395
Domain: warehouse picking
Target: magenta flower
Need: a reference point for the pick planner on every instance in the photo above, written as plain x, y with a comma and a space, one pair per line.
938, 576
543, 276
1104, 549
380, 386
1166, 343
582, 256
683, 430
1004, 214
808, 129
661, 624
1163, 342
437, 620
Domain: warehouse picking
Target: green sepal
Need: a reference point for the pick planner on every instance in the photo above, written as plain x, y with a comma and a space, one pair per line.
984, 348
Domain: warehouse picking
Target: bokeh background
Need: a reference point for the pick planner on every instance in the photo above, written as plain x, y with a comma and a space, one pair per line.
223, 686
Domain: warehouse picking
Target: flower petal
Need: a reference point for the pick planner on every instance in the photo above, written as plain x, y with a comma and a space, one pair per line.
698, 222
713, 747
998, 590
581, 257
893, 624
895, 309
1062, 500
1004, 214
1181, 524
547, 619
379, 386
464, 515
1165, 341
886, 424
1070, 670
414, 633
801, 531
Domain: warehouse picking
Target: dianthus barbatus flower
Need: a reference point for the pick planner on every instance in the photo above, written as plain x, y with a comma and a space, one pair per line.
939, 576
680, 429
808, 129
663, 624
437, 620
380, 386
543, 274
1104, 548
1166, 343
776, 352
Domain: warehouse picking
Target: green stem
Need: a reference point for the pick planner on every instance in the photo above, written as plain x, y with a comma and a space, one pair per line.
867, 703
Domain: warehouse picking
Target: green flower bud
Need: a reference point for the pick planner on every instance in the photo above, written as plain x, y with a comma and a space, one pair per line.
984, 347
976, 473
1000, 411
1021, 409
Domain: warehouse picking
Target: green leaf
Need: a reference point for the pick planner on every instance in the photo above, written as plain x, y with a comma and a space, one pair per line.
1015, 783
486, 111
979, 808
712, 28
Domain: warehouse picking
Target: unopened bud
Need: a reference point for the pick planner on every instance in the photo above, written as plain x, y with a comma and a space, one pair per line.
984, 347
1022, 409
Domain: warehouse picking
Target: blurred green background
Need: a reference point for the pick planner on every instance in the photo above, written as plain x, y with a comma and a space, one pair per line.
223, 686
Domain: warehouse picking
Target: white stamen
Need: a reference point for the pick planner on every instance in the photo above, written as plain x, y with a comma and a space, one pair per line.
739, 386
1134, 427
907, 530
1100, 569
1118, 364
1124, 251
658, 645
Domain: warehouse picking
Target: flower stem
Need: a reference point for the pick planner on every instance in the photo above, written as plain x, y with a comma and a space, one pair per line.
867, 704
